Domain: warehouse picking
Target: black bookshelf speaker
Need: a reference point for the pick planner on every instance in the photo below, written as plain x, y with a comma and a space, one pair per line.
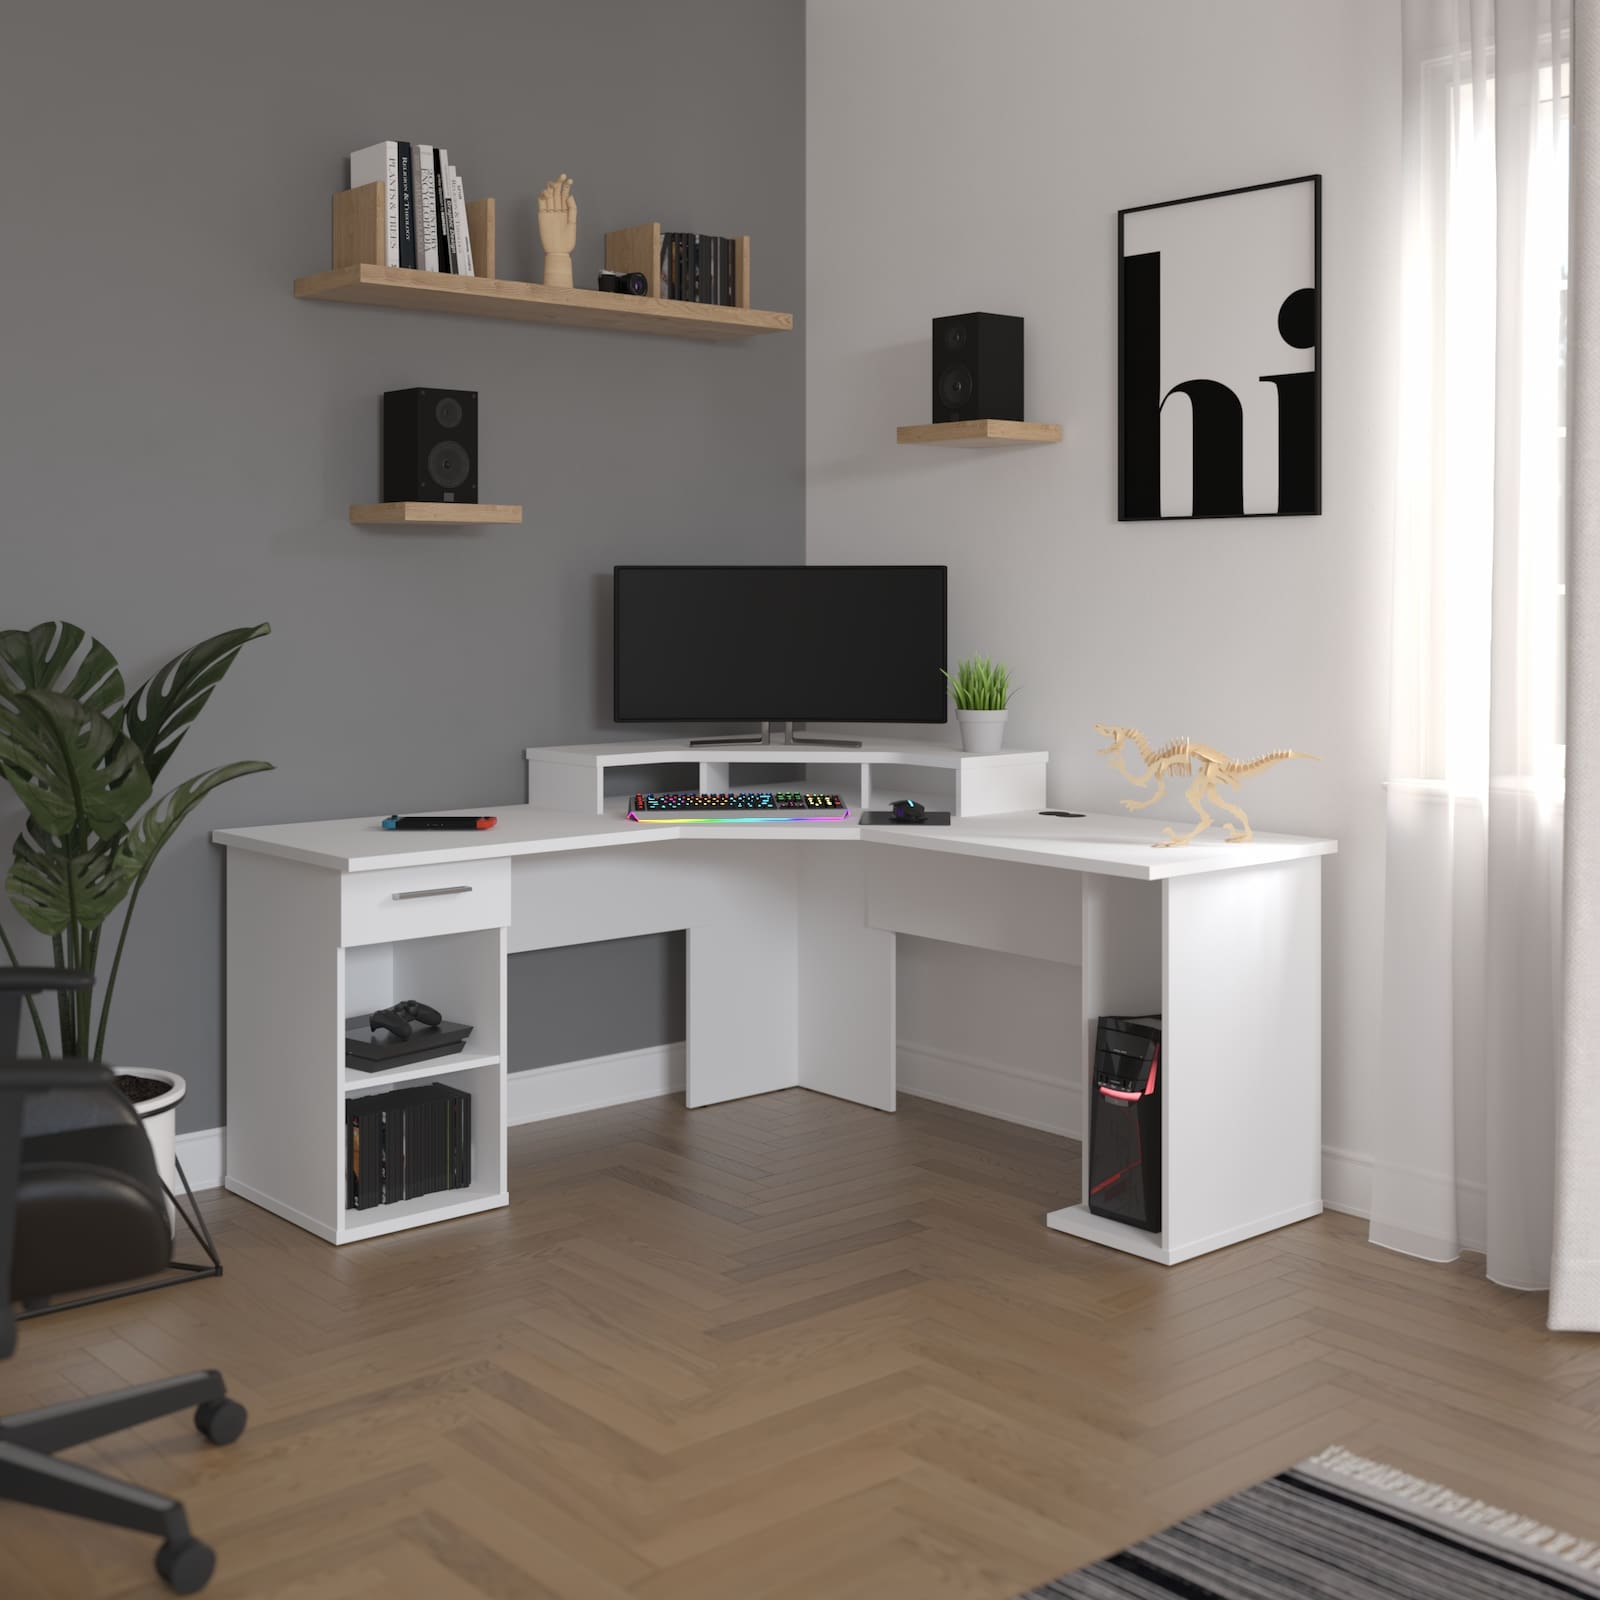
977, 367
430, 445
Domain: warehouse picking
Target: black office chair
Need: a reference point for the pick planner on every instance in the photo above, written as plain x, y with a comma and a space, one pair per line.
81, 1207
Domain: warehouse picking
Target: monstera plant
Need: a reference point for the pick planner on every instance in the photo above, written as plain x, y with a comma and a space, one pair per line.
84, 757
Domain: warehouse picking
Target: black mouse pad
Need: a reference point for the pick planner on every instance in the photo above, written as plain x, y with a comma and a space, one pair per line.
887, 819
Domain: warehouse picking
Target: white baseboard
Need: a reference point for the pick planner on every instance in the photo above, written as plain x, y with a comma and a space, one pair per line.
1346, 1181
201, 1154
1035, 1100
992, 1088
569, 1087
532, 1096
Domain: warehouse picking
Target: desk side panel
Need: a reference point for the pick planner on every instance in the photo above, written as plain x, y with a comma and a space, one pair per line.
743, 970
285, 1038
847, 981
1242, 1053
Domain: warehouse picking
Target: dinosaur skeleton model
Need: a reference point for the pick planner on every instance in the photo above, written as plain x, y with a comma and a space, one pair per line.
1210, 769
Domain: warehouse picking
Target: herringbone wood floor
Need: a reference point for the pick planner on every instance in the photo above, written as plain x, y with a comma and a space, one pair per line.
785, 1347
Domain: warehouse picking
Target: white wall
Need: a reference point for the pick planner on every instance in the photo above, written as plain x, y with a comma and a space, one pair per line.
969, 157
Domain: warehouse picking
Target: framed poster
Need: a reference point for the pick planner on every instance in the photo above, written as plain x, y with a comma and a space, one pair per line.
1219, 354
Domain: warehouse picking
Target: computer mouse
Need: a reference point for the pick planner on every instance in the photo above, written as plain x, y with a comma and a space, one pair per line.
908, 811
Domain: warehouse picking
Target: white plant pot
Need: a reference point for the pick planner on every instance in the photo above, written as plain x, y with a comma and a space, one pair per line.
160, 1119
982, 731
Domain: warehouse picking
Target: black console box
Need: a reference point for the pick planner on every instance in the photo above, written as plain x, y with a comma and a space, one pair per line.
367, 1051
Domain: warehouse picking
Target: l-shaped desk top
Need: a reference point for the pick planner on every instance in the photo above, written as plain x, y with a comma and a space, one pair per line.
791, 935
1114, 846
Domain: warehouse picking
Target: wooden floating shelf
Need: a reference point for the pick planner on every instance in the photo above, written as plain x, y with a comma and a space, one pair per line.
432, 513
987, 431
358, 279
407, 289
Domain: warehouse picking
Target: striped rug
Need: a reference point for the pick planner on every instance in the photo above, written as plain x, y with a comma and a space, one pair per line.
1344, 1528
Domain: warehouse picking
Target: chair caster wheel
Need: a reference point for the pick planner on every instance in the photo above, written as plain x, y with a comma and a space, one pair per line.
187, 1567
221, 1421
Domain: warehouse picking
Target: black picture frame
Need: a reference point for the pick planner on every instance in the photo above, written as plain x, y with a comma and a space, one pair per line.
1307, 500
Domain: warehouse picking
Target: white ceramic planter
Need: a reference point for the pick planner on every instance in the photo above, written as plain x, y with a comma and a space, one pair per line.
982, 731
160, 1119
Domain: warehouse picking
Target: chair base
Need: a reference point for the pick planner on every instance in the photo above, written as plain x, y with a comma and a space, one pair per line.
31, 1475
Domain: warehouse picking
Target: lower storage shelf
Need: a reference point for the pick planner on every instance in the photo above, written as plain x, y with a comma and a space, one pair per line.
417, 1213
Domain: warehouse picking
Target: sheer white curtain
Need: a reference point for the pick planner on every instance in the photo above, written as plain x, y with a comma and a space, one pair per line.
1468, 1067
1575, 1277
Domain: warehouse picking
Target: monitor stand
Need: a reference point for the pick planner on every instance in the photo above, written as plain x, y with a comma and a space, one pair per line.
790, 737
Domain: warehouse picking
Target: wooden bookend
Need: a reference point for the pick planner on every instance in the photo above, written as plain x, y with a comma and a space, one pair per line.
637, 250
358, 226
358, 223
480, 228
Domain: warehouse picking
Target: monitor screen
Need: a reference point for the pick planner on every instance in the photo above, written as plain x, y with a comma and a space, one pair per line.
779, 644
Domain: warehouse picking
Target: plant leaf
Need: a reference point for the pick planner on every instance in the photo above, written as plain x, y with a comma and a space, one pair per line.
36, 658
51, 888
160, 710
146, 837
69, 765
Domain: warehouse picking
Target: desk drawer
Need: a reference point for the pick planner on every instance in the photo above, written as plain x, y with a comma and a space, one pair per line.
420, 902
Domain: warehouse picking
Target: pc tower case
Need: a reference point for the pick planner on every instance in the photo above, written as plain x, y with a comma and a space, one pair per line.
1125, 1122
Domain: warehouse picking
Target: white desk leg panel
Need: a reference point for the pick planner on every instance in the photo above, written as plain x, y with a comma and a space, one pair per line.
743, 977
285, 1037
847, 1020
1243, 986
1240, 993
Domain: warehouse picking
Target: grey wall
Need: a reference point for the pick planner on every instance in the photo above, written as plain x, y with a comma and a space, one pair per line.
180, 438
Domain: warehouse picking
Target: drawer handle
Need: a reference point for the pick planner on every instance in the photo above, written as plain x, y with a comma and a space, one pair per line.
428, 894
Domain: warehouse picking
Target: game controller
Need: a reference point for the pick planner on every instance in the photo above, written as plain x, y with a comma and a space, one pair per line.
397, 1019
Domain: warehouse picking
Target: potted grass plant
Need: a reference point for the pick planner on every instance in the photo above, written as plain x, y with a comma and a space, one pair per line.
982, 691
83, 756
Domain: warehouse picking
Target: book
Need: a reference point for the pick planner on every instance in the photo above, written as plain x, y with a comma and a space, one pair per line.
731, 258
463, 233
443, 207
406, 1143
408, 206
427, 209
379, 163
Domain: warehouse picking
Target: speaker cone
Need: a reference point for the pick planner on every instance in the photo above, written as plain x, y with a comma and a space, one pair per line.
448, 412
449, 465
955, 387
955, 336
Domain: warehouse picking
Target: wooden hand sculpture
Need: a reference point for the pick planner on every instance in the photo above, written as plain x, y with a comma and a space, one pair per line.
558, 231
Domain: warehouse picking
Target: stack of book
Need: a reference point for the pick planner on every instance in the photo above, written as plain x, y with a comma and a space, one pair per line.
698, 266
425, 207
408, 1142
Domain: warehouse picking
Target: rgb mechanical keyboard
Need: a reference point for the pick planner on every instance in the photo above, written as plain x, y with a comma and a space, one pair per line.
766, 805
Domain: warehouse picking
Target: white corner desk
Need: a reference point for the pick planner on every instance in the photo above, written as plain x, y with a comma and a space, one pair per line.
791, 930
